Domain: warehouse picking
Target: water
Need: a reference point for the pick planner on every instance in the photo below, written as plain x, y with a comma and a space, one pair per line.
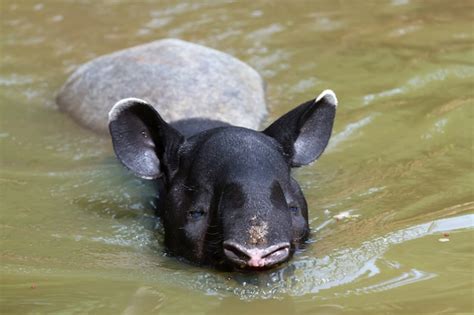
396, 182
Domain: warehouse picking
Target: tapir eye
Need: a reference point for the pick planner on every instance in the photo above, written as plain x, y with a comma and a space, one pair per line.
294, 209
196, 214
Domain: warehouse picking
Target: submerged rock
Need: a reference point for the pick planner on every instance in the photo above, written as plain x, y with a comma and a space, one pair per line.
180, 79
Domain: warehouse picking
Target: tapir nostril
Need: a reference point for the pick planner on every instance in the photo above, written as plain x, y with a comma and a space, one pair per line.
234, 250
282, 248
256, 257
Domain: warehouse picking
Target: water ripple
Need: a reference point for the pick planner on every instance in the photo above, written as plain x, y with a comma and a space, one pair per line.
349, 131
420, 81
313, 274
405, 278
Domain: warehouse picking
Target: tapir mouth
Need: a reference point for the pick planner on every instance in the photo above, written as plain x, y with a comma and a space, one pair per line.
256, 258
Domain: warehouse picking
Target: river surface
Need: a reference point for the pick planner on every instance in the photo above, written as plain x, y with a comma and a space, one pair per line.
391, 200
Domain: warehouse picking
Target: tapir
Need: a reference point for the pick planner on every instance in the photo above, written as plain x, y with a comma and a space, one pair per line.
229, 198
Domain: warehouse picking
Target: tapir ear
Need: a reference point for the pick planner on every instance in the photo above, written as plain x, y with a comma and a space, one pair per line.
142, 140
304, 131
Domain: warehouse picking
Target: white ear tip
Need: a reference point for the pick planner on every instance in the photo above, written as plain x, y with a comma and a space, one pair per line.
329, 95
121, 105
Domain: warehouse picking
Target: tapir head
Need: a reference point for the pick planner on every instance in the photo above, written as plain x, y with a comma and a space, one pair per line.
230, 199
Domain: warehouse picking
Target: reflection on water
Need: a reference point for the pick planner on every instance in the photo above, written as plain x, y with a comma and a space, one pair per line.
78, 232
311, 274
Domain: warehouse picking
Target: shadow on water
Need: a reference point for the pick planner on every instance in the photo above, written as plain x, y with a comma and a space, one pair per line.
127, 206
130, 203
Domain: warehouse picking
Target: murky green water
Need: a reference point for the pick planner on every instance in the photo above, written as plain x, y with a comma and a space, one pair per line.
76, 230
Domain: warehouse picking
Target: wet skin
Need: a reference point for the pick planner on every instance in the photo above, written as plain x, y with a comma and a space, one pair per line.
229, 200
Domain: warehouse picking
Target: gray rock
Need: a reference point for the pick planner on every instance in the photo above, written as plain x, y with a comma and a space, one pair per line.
180, 79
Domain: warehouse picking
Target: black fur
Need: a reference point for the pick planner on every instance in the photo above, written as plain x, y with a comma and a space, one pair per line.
222, 183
